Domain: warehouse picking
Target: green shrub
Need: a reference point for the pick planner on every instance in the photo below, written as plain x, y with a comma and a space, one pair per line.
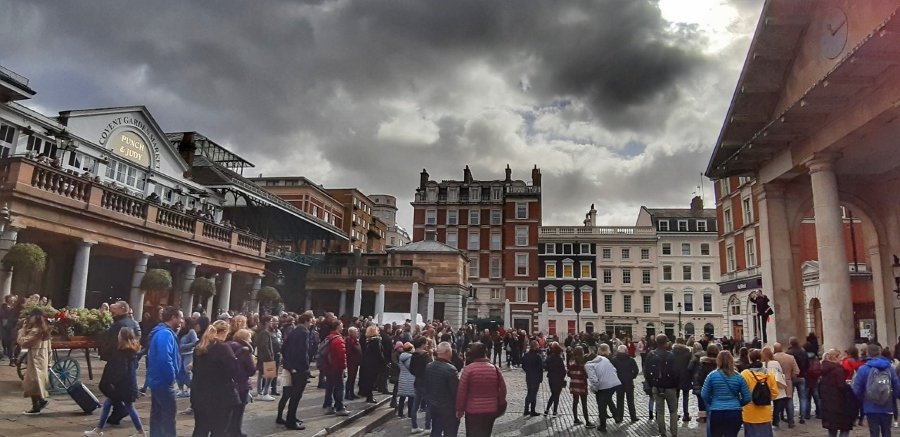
156, 279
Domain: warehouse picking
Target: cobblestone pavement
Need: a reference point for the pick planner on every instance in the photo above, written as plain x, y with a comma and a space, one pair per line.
514, 424
62, 417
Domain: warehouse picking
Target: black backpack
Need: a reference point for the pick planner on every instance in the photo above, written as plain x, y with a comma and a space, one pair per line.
761, 394
660, 370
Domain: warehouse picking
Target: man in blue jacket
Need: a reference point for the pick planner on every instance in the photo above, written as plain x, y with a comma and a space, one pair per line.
877, 386
163, 364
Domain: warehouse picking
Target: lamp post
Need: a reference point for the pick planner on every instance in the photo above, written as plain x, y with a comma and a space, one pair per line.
680, 334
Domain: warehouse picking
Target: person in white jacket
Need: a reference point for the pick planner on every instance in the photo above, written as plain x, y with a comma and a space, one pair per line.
602, 380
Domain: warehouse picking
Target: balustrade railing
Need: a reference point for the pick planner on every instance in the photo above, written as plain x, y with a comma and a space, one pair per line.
57, 182
216, 232
123, 203
175, 220
249, 241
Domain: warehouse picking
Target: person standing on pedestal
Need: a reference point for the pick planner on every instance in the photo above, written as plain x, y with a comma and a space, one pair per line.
763, 311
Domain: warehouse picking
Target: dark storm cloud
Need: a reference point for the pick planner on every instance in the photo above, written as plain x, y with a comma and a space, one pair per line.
310, 87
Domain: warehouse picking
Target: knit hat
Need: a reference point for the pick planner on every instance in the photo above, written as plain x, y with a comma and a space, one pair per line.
398, 345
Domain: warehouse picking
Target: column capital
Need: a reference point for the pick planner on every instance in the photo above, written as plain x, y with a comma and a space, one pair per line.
771, 190
87, 243
823, 161
145, 254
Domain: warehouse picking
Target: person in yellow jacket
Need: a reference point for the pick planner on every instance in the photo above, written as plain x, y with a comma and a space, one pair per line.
758, 418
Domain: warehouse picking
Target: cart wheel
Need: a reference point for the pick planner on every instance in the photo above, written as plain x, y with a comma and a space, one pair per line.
68, 372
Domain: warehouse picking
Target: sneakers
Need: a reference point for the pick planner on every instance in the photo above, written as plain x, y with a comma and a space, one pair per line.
93, 433
183, 394
328, 410
36, 409
417, 431
342, 412
189, 411
267, 398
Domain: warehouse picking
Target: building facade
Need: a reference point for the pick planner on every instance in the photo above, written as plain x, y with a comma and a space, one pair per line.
386, 209
496, 223
359, 223
107, 194
810, 121
622, 288
688, 259
310, 198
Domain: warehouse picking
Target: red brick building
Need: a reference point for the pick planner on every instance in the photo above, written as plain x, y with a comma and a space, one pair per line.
496, 222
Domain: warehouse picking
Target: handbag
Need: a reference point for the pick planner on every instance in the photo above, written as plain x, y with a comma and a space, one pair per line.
501, 403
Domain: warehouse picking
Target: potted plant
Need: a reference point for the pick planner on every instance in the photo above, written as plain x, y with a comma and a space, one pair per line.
26, 259
268, 294
156, 283
203, 288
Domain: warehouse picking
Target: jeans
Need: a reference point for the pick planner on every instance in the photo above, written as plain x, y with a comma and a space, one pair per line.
778, 407
419, 400
627, 394
184, 375
107, 406
879, 425
262, 384
814, 394
723, 423
443, 421
603, 399
554, 399
801, 392
351, 381
298, 385
666, 397
685, 400
405, 400
479, 425
334, 391
531, 396
701, 407
162, 411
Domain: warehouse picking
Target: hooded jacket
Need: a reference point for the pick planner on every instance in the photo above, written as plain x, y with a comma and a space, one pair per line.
862, 378
626, 369
163, 358
838, 403
601, 374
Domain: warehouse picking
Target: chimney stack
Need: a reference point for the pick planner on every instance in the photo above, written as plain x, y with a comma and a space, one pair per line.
423, 179
467, 175
508, 173
536, 176
697, 204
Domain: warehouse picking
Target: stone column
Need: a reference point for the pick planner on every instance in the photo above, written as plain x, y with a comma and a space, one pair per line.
342, 303
414, 303
136, 299
254, 293
225, 291
307, 302
379, 305
543, 323
7, 240
507, 315
776, 264
834, 275
78, 287
884, 296
187, 278
209, 306
430, 308
357, 298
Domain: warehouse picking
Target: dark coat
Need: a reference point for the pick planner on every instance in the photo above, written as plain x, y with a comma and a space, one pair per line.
117, 382
704, 367
354, 353
626, 369
387, 346
683, 356
441, 384
372, 364
244, 368
839, 405
215, 378
417, 365
295, 351
556, 372
534, 369
110, 340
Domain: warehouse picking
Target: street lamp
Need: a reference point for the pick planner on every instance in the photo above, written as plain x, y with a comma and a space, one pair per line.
680, 333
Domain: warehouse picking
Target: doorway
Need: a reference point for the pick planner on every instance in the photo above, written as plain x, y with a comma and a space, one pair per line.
737, 330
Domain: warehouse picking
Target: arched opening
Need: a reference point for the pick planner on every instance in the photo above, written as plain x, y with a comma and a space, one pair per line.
688, 330
709, 329
589, 327
650, 330
815, 317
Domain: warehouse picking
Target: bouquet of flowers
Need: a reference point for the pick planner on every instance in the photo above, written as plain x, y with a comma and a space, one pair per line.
89, 322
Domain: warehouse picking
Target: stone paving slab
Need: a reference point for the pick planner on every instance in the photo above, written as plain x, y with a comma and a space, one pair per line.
63, 417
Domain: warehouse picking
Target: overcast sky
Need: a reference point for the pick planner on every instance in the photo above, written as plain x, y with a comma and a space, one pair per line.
619, 102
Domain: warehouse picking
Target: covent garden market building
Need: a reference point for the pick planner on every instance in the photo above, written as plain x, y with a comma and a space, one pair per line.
107, 194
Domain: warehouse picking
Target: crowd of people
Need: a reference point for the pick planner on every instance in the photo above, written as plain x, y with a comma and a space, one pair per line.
440, 376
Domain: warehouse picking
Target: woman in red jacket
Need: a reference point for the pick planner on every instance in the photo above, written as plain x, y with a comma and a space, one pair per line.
481, 396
